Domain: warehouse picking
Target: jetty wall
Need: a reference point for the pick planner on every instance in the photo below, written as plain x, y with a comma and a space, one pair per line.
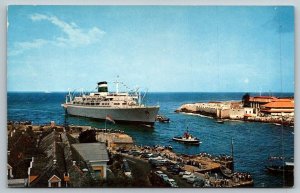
222, 110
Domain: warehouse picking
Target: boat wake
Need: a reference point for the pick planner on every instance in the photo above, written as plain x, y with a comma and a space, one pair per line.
199, 115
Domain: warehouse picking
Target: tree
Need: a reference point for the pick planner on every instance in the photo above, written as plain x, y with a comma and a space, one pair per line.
245, 100
88, 136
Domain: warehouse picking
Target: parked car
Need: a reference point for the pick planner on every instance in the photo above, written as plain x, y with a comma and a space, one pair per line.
174, 169
185, 173
146, 155
191, 179
185, 177
164, 177
172, 183
126, 168
124, 151
199, 183
158, 172
134, 152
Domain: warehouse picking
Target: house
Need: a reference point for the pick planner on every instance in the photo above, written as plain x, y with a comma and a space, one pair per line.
48, 169
256, 102
95, 156
279, 107
9, 172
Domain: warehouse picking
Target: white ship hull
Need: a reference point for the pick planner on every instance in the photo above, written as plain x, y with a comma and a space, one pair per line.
145, 115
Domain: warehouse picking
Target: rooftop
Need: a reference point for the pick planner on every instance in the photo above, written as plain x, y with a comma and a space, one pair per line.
262, 99
92, 151
279, 104
265, 97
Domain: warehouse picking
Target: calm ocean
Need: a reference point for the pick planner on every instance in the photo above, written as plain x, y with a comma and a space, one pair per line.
253, 142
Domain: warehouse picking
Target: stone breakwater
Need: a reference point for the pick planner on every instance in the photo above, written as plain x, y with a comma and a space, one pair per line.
194, 108
222, 110
234, 110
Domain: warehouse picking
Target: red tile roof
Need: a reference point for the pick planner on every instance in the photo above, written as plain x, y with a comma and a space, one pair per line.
278, 110
282, 100
279, 104
264, 97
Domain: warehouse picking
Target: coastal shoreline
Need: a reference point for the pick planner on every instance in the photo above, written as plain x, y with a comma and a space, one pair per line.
236, 111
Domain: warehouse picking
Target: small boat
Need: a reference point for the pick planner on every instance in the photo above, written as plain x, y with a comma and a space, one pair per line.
162, 119
226, 171
220, 121
146, 125
287, 168
187, 138
278, 166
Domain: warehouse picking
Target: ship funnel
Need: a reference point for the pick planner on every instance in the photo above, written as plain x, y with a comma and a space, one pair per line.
102, 86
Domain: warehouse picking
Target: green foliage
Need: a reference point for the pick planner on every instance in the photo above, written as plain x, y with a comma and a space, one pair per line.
88, 136
245, 100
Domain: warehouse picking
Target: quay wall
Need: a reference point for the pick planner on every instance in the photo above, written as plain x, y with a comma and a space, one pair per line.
236, 113
217, 110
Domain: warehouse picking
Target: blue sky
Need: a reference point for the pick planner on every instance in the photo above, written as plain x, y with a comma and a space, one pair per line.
160, 48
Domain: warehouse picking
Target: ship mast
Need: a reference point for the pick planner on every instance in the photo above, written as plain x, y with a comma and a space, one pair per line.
117, 84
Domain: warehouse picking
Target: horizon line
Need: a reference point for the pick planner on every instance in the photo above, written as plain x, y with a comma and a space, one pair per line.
162, 92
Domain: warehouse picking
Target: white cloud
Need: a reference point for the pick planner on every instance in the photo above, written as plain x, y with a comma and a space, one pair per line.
37, 17
20, 47
74, 36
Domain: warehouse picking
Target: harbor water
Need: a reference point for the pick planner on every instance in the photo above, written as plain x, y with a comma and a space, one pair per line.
253, 142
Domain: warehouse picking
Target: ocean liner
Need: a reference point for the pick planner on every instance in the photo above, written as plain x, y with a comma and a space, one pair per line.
116, 106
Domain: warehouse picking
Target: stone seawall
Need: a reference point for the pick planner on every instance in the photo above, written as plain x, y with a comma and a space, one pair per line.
216, 110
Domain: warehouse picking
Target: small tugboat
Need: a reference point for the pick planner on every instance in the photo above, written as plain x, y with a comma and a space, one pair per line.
187, 138
162, 119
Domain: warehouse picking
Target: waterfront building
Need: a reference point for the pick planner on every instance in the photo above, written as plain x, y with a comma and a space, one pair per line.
95, 157
249, 111
257, 101
279, 107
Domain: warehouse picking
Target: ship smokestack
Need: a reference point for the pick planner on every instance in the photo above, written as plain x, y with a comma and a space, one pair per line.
102, 86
